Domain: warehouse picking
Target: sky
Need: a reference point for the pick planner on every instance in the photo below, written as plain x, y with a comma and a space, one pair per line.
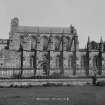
88, 16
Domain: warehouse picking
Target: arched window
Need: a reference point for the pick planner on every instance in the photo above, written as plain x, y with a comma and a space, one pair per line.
57, 61
31, 61
83, 61
57, 43
45, 43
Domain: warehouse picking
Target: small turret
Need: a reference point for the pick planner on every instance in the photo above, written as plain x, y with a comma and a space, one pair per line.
14, 24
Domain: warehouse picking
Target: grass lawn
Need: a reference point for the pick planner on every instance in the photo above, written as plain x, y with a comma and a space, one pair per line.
77, 95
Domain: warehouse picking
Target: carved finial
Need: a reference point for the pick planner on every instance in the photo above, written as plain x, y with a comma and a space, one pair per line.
71, 29
88, 39
101, 41
88, 43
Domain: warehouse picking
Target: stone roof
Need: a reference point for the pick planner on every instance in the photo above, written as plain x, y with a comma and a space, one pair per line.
31, 29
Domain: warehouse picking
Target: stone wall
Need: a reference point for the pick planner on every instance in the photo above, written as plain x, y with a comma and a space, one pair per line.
37, 39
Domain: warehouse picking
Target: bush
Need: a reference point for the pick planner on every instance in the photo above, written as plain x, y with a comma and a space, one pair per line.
52, 84
100, 83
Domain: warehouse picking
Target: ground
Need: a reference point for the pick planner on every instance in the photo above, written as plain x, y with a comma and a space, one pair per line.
71, 95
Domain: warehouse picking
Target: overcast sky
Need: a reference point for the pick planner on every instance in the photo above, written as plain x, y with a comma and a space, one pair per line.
88, 16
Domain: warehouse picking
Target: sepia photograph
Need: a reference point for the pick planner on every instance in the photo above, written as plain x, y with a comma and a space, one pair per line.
52, 52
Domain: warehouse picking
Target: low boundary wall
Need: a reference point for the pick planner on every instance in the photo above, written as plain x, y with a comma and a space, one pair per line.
40, 82
36, 82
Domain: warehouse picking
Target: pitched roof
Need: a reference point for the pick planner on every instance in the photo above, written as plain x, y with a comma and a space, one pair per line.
31, 29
